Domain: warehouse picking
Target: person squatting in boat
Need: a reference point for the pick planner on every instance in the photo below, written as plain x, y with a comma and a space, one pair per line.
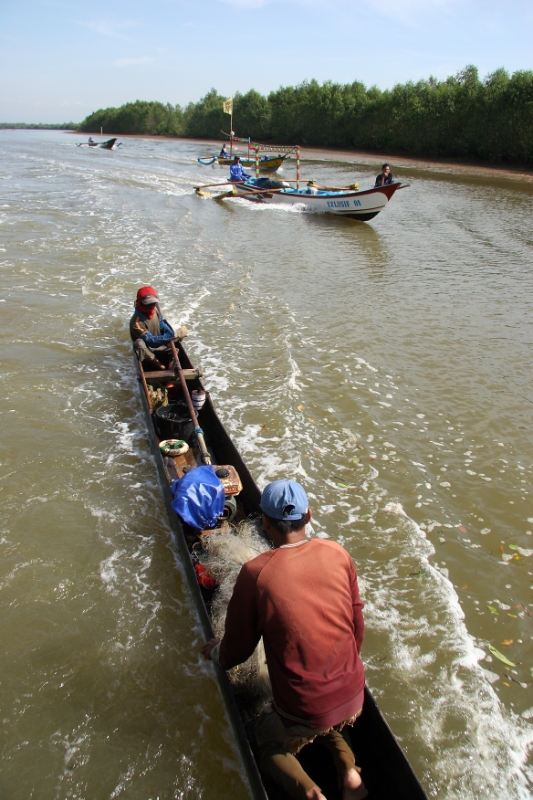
150, 333
302, 597
385, 176
236, 170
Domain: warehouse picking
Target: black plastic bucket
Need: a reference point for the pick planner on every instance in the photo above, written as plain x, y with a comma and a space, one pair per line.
173, 422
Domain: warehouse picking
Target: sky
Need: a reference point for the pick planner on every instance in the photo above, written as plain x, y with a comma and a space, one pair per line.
60, 60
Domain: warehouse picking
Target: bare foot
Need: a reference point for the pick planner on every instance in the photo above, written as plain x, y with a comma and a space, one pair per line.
353, 787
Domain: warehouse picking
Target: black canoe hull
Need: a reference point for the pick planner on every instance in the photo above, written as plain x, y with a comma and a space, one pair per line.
385, 768
108, 145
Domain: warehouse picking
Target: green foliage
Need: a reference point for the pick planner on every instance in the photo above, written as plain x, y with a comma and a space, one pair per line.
461, 117
252, 113
141, 117
206, 118
39, 126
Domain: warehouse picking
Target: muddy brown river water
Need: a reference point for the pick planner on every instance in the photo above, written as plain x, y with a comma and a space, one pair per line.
386, 366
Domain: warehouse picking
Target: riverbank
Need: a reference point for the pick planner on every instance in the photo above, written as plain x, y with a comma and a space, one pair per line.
366, 157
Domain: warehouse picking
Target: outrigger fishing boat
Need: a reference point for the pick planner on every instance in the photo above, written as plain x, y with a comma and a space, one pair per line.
107, 145
343, 202
186, 433
257, 155
266, 163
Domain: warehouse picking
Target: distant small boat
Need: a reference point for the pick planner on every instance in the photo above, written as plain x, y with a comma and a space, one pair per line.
108, 145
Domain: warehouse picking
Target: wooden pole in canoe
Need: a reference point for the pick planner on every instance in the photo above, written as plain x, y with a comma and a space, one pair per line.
260, 191
206, 458
298, 167
209, 185
145, 385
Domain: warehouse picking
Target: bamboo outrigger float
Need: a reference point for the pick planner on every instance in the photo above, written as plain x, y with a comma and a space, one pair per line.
387, 773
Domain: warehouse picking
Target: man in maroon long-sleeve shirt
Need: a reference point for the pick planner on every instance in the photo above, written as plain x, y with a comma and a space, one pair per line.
302, 598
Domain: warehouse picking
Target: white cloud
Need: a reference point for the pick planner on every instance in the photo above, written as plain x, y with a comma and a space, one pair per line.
397, 9
107, 28
248, 3
126, 62
407, 10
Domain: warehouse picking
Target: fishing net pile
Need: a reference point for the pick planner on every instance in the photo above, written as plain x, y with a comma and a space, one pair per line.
223, 556
158, 396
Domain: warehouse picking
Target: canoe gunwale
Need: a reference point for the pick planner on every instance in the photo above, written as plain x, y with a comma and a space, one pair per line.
243, 745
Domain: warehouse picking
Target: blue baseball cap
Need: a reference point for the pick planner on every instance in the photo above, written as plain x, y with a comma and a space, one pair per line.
285, 500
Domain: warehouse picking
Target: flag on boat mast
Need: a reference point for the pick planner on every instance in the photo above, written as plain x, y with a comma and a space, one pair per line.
228, 109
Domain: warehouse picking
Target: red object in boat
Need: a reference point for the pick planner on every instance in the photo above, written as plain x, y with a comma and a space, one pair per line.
173, 391
204, 578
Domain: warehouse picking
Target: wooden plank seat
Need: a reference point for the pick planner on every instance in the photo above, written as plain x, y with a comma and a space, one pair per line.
166, 375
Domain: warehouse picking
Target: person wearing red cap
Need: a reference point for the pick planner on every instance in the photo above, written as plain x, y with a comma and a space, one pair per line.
302, 597
149, 332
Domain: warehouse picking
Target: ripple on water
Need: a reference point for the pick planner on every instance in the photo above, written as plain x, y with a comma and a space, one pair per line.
383, 368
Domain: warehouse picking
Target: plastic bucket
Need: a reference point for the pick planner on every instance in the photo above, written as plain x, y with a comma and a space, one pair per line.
173, 422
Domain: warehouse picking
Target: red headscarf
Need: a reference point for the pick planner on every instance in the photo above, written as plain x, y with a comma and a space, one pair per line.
149, 310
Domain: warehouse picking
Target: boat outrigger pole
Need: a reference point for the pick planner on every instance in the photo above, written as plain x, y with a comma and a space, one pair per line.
206, 458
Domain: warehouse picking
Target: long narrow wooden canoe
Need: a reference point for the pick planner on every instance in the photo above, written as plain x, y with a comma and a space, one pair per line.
386, 771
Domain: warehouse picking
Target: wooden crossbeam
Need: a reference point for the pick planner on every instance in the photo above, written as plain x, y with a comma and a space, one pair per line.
167, 375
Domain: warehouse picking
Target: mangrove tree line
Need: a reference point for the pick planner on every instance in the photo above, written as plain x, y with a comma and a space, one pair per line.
461, 117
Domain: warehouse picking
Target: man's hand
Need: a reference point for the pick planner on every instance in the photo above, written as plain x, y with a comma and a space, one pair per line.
206, 649
181, 333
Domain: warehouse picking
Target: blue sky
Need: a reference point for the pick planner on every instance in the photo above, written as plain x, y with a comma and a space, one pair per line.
62, 59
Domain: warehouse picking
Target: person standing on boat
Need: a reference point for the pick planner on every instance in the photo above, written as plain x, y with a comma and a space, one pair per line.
150, 333
223, 153
302, 597
236, 171
384, 177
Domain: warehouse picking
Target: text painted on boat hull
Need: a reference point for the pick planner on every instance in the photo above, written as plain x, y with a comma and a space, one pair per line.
342, 203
